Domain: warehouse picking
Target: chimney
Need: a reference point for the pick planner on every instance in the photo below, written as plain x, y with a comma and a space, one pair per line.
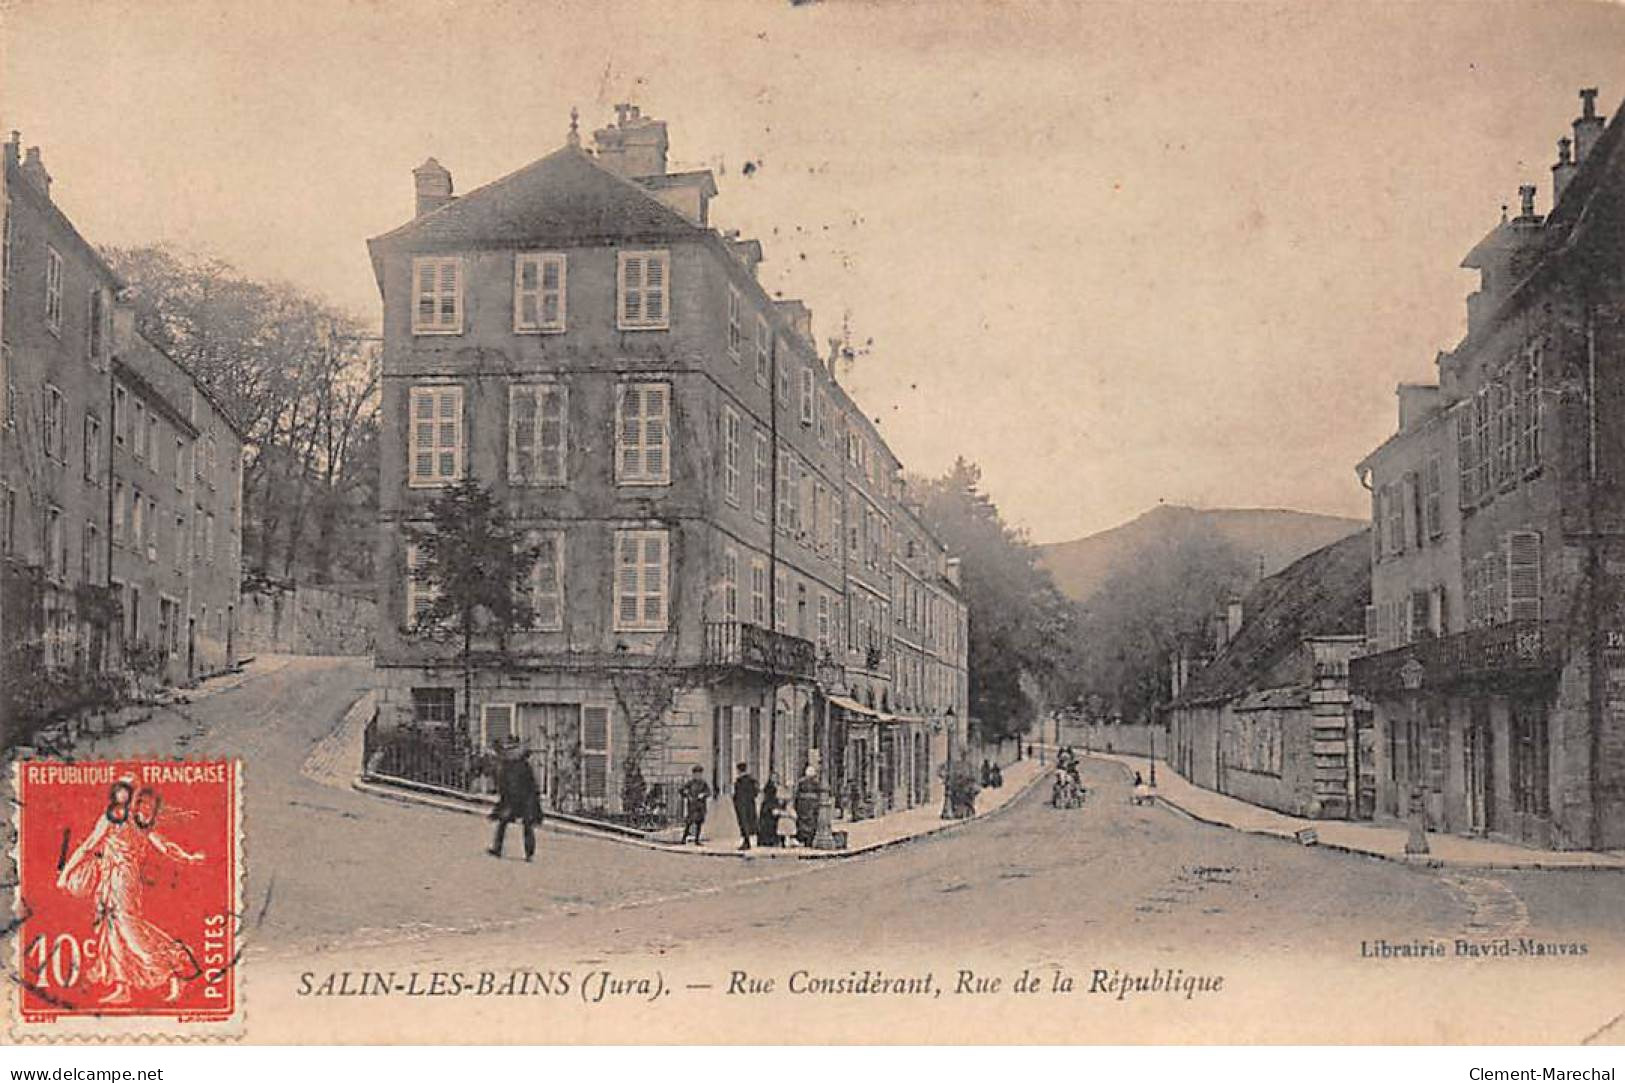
433, 184
33, 168
1564, 170
1417, 402
1232, 619
14, 148
1589, 125
1526, 202
635, 146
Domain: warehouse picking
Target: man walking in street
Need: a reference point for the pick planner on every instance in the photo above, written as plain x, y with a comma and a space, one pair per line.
695, 794
517, 799
745, 805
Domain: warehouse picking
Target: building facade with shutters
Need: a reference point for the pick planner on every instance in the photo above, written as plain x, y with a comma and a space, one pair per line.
718, 520
1494, 674
112, 460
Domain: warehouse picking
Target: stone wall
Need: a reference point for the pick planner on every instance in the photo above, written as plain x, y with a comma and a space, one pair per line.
304, 619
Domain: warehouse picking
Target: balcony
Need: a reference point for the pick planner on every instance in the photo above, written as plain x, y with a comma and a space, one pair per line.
1512, 651
758, 649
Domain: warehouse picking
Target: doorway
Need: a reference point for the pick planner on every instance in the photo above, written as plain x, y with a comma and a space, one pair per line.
1480, 751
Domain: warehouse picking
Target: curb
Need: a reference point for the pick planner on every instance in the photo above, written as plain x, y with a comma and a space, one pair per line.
1413, 860
571, 825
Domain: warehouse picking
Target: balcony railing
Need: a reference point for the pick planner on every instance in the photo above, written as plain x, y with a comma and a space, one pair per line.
1517, 648
762, 650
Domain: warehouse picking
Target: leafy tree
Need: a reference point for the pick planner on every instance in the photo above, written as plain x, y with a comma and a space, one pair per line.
300, 378
1150, 603
1020, 624
476, 566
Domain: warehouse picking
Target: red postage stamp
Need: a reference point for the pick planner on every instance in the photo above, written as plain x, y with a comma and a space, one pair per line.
129, 879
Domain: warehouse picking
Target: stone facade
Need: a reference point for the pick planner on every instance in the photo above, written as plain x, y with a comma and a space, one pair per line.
91, 415
579, 338
1496, 716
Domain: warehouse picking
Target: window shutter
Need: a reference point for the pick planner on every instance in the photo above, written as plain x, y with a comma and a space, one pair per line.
654, 431
626, 582
595, 753
496, 723
654, 289
1523, 575
552, 440
632, 289
522, 434
806, 396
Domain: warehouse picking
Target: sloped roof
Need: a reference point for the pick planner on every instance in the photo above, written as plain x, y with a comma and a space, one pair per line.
566, 196
1324, 593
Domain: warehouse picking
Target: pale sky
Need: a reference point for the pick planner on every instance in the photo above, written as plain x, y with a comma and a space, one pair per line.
1115, 254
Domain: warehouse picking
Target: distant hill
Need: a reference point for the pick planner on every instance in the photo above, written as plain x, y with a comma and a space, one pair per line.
1277, 535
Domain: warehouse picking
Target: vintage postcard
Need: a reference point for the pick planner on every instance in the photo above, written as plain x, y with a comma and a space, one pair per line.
854, 522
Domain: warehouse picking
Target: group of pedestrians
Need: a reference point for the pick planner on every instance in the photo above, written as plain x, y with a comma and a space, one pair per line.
763, 815
770, 819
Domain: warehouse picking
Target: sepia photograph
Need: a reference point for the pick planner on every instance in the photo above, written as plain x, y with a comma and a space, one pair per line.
845, 523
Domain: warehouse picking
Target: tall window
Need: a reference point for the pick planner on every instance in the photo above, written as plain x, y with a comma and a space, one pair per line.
640, 580
538, 292
56, 545
537, 421
436, 436
730, 455
784, 376
1529, 408
121, 510
764, 351
547, 581
762, 478
94, 329
53, 289
1483, 419
1523, 575
138, 532
8, 521
642, 434
55, 425
208, 536
786, 490
780, 601
121, 414
180, 464
823, 623
420, 596
730, 583
758, 592
736, 329
180, 543
1506, 430
643, 281
1531, 770
807, 392
154, 526
1466, 453
1432, 497
138, 430
90, 562
438, 286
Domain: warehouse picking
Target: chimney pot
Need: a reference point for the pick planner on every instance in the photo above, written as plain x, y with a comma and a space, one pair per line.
1563, 171
1526, 197
1588, 126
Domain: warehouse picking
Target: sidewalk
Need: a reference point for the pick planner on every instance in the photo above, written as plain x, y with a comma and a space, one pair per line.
1445, 851
721, 837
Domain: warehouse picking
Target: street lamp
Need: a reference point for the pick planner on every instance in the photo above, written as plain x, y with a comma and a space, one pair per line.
948, 767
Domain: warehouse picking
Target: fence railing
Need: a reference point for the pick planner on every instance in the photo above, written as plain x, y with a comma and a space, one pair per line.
429, 757
740, 643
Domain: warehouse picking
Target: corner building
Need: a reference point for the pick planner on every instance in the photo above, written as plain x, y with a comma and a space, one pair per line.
723, 533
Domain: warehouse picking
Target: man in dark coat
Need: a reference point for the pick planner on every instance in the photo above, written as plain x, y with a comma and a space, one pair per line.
695, 794
745, 805
517, 799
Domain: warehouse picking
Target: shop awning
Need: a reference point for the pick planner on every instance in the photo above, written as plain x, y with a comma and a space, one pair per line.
852, 706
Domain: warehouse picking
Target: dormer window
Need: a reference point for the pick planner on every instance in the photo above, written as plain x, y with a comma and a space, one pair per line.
538, 292
438, 286
642, 287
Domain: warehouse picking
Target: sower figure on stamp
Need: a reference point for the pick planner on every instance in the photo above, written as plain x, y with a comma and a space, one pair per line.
745, 805
130, 950
517, 799
695, 795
